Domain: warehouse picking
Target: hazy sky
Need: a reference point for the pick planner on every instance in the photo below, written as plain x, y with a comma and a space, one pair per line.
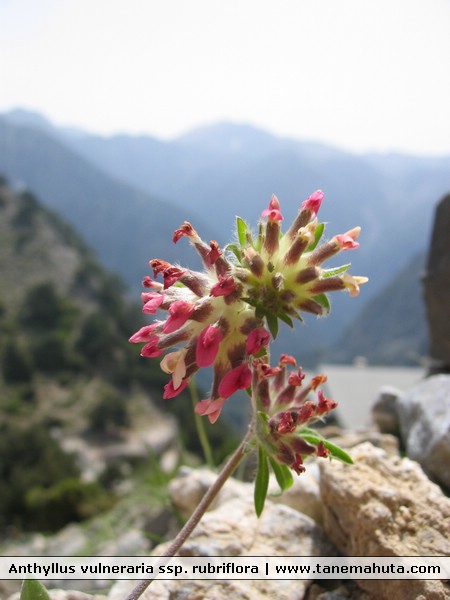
359, 74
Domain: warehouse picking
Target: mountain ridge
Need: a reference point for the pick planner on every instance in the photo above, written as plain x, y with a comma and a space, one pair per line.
209, 178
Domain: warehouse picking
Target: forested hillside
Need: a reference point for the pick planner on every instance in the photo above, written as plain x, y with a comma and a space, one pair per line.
67, 371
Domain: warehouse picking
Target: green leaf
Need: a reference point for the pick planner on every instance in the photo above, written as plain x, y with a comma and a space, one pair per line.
261, 481
235, 250
241, 228
259, 311
272, 323
311, 436
322, 299
286, 318
337, 271
317, 235
33, 590
283, 475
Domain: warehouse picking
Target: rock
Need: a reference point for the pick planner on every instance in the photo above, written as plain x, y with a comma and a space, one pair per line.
347, 590
383, 505
437, 289
189, 487
304, 495
348, 439
384, 411
424, 414
65, 595
232, 529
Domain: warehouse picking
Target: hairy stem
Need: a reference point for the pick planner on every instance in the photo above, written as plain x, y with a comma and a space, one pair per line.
200, 510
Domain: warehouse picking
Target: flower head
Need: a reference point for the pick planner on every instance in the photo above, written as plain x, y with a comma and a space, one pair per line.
285, 401
224, 316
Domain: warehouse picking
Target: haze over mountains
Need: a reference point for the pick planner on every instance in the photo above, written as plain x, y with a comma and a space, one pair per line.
126, 195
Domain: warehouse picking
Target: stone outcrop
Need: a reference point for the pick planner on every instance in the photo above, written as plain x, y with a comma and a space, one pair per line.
384, 505
232, 529
384, 410
424, 415
437, 289
66, 595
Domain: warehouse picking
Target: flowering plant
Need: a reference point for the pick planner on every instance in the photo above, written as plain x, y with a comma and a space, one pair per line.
225, 317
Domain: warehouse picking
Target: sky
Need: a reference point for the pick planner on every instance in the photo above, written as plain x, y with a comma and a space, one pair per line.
362, 75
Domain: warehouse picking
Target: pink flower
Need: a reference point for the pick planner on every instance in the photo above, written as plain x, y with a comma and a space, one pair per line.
208, 345
273, 212
287, 359
170, 273
296, 379
214, 253
224, 287
313, 202
324, 405
298, 465
171, 276
185, 230
151, 349
174, 363
145, 334
257, 339
147, 282
180, 311
238, 378
287, 422
345, 242
153, 300
211, 408
171, 392
353, 283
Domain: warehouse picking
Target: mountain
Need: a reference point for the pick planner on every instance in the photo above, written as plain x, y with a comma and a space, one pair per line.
391, 329
214, 173
70, 379
126, 227
238, 167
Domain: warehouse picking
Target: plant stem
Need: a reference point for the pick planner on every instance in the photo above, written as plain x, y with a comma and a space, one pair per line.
199, 424
200, 510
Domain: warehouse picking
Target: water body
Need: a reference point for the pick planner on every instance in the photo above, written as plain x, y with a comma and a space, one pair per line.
356, 388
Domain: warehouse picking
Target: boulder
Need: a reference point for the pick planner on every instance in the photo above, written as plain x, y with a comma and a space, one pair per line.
232, 529
424, 414
65, 595
437, 289
384, 410
384, 505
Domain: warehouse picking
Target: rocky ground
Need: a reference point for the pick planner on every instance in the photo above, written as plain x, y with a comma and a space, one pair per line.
385, 504
393, 501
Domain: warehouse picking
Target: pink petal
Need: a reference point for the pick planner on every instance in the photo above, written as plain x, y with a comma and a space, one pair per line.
296, 379
208, 345
171, 392
256, 340
211, 408
287, 359
152, 302
180, 311
273, 212
346, 242
185, 230
151, 349
313, 202
238, 378
145, 334
224, 287
214, 253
